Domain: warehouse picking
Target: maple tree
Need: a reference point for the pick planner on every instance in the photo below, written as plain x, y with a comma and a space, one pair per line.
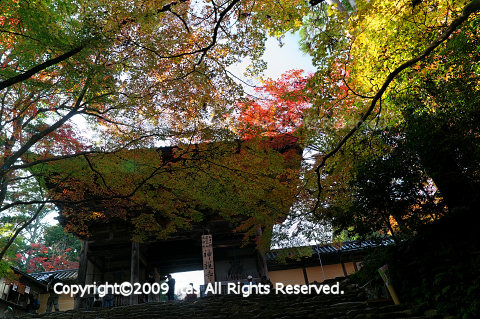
55, 250
50, 249
277, 108
376, 52
139, 73
41, 258
371, 56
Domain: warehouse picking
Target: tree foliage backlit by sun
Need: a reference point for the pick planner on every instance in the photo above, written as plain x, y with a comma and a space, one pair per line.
393, 77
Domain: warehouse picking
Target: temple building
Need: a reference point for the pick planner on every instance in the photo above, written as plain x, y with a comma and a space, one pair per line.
15, 292
172, 209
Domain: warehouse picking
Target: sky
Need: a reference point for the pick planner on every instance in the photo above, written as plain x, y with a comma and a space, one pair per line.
288, 57
279, 60
183, 279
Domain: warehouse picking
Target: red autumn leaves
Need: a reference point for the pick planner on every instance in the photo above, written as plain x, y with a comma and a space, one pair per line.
278, 107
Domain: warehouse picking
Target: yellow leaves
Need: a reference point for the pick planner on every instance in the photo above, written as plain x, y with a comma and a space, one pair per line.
450, 72
332, 9
388, 33
280, 16
97, 215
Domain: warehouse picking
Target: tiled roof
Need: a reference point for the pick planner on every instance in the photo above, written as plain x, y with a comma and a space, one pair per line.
345, 247
64, 275
352, 246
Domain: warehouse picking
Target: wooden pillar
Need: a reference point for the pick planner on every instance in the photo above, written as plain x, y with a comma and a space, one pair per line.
135, 270
261, 260
344, 269
305, 275
262, 264
82, 271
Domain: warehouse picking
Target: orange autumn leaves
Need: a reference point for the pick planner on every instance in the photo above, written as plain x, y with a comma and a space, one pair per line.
287, 104
278, 109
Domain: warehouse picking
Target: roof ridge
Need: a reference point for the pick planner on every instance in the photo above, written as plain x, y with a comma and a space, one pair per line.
51, 271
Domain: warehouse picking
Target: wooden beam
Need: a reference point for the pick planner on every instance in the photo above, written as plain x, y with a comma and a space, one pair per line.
135, 270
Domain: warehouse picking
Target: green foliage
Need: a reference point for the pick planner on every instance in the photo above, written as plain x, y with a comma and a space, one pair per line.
392, 193
59, 240
345, 235
250, 184
4, 268
437, 268
293, 253
10, 258
369, 271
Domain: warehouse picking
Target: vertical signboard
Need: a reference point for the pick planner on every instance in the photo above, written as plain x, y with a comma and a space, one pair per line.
208, 266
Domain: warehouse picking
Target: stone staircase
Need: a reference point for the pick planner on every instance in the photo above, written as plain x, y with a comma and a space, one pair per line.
352, 305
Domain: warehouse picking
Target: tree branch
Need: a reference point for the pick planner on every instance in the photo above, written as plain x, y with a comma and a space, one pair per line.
28, 74
472, 7
38, 136
24, 225
203, 50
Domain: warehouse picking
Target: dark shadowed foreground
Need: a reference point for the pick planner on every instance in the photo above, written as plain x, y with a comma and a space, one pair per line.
351, 304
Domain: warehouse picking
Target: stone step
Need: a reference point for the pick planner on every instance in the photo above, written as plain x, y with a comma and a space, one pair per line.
351, 305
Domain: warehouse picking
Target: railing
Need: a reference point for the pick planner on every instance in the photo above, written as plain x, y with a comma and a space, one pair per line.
121, 300
118, 300
236, 277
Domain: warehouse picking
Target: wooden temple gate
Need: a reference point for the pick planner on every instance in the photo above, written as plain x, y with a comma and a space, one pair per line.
111, 257
105, 218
